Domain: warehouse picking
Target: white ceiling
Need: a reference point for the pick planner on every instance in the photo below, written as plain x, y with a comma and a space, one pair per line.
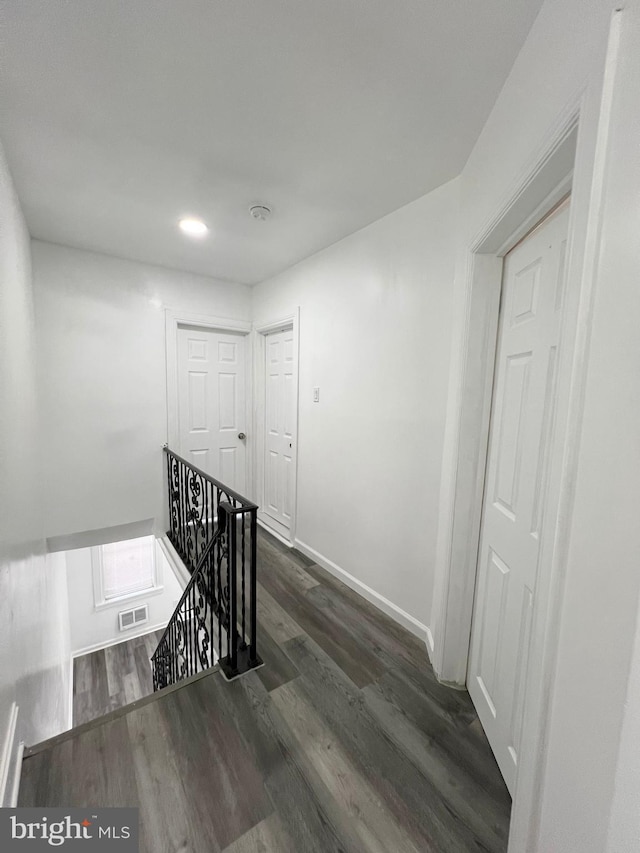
121, 116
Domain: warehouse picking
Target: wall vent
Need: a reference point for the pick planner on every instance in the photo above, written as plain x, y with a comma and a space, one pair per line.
135, 616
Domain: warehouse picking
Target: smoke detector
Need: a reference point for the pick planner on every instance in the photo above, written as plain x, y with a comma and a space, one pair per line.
260, 211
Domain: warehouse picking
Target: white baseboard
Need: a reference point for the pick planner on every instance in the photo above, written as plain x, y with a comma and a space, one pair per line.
70, 718
9, 758
146, 629
17, 773
430, 645
396, 613
276, 535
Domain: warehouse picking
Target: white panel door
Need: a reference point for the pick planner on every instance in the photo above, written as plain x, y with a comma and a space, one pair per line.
279, 426
211, 403
515, 487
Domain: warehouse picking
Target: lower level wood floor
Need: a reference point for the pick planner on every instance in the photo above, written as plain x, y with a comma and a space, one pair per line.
112, 678
343, 743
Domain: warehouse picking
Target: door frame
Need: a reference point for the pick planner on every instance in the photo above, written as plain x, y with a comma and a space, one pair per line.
564, 162
551, 181
260, 332
514, 243
176, 318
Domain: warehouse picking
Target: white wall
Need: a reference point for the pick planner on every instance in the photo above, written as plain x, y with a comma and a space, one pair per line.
624, 824
102, 380
93, 629
375, 316
34, 638
591, 782
562, 60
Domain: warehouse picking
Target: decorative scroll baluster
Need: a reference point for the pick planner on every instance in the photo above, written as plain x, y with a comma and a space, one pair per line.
182, 508
204, 517
217, 582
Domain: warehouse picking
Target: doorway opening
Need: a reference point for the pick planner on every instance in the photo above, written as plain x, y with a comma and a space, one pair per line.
516, 482
539, 188
207, 393
276, 393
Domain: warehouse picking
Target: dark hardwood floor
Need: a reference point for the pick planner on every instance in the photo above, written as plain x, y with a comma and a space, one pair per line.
111, 678
343, 743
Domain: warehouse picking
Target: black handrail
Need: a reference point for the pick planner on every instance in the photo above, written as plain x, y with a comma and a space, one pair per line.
214, 530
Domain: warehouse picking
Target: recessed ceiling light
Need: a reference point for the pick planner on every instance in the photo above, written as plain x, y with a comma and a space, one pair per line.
193, 227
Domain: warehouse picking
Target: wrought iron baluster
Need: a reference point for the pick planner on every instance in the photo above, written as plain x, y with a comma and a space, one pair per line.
183, 511
172, 651
193, 494
176, 652
244, 626
204, 516
218, 578
187, 610
232, 573
199, 602
178, 505
210, 590
168, 464
253, 651
176, 501
189, 529
205, 513
212, 509
174, 504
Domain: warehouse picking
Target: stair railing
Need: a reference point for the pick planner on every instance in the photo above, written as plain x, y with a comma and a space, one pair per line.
214, 530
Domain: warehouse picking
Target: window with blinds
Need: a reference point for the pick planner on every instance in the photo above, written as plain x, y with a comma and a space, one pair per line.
127, 567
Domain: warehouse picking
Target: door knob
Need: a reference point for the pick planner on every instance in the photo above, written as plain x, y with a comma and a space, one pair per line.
241, 435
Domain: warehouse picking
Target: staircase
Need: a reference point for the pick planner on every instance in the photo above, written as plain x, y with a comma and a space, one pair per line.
214, 531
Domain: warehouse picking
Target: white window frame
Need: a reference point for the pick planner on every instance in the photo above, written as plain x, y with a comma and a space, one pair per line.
101, 603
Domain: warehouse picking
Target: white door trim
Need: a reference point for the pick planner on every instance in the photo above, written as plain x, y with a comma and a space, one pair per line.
536, 195
513, 518
9, 754
260, 331
173, 319
538, 189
